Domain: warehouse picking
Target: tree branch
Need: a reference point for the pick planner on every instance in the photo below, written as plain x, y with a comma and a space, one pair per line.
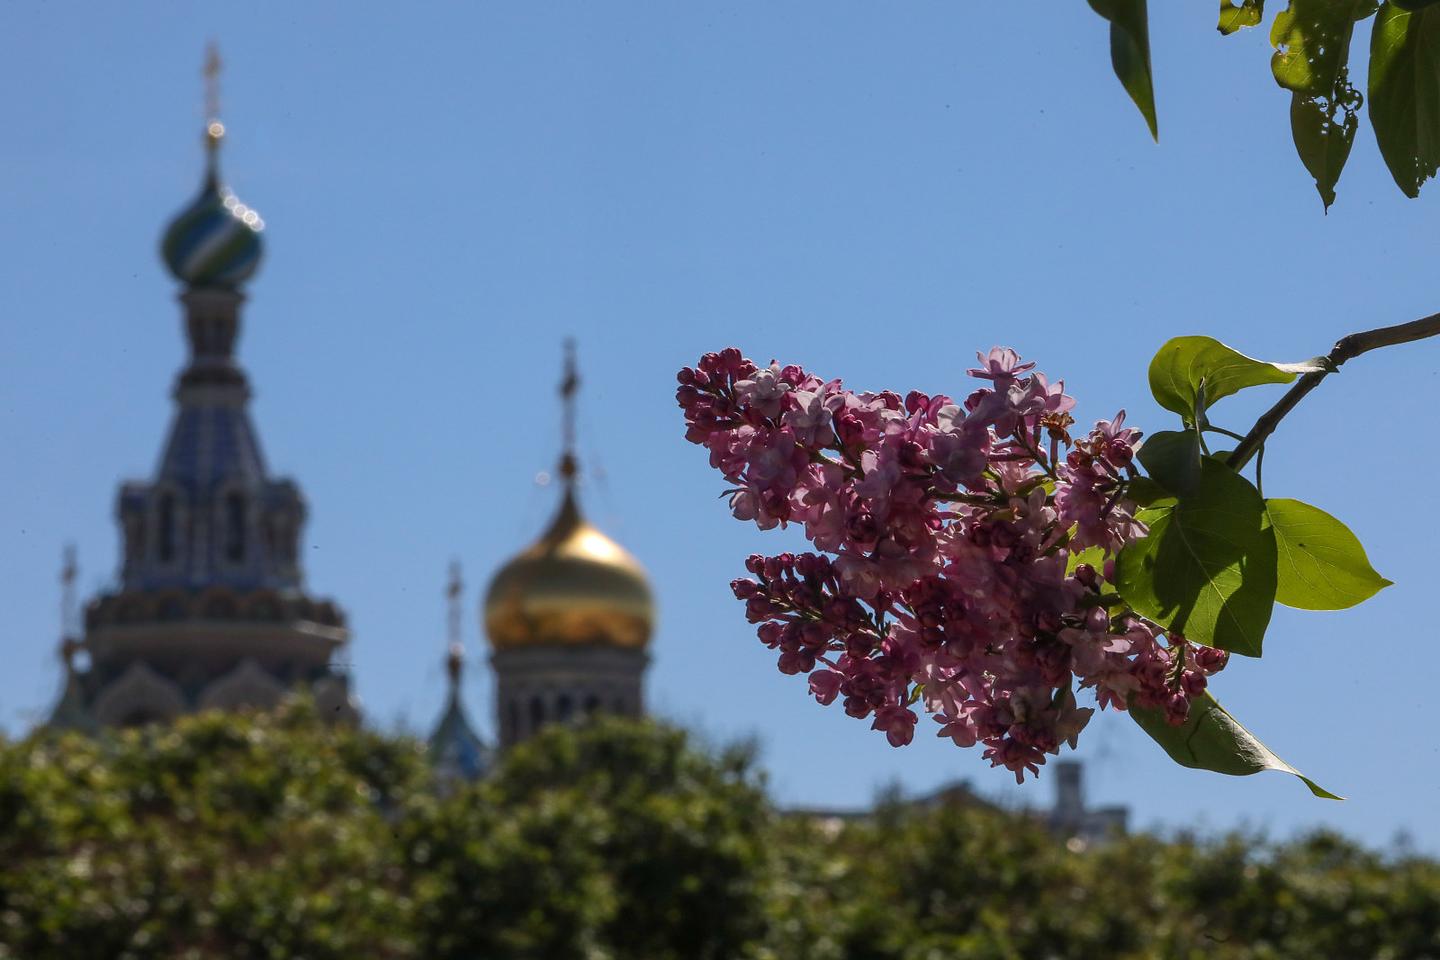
1346, 348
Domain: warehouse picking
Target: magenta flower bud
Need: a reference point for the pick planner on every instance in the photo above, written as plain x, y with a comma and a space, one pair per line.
912, 455
744, 589
1210, 659
769, 633
863, 528
850, 430
825, 685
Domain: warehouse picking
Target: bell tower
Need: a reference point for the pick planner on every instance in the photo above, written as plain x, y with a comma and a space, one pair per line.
211, 610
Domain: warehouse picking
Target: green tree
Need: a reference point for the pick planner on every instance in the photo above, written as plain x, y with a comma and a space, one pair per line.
684, 839
251, 837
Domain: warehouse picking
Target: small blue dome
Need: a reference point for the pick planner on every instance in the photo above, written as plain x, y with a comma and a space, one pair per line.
214, 242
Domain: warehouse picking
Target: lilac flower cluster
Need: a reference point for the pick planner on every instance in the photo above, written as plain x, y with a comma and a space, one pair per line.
949, 575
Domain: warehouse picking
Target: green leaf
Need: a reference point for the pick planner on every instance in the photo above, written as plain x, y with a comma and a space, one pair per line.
1324, 130
1095, 556
1405, 91
1184, 364
1312, 47
1322, 565
1172, 459
1247, 14
1130, 52
1147, 493
1206, 570
1211, 739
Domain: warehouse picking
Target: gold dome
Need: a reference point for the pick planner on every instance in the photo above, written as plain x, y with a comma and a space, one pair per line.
572, 587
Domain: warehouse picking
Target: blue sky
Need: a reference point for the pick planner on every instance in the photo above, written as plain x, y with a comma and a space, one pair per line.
873, 191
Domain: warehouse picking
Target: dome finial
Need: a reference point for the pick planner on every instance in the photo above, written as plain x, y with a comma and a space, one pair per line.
569, 386
455, 656
69, 621
214, 129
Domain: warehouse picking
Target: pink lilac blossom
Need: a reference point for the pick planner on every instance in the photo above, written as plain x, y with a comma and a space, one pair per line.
948, 579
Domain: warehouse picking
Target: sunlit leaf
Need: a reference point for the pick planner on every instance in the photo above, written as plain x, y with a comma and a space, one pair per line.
1247, 13
1324, 130
1312, 48
1130, 52
1211, 739
1322, 565
1184, 364
1405, 91
1095, 556
1207, 568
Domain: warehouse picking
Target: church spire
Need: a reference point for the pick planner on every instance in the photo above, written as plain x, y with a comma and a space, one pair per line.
455, 654
569, 386
69, 620
214, 128
455, 749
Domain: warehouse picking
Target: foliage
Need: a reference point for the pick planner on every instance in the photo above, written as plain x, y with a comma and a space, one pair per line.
253, 839
664, 844
278, 836
1312, 40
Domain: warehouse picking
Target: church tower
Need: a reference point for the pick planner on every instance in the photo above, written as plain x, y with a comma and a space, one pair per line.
211, 610
570, 617
456, 751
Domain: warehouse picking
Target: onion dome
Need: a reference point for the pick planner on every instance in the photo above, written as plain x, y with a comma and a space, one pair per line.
455, 749
215, 241
572, 587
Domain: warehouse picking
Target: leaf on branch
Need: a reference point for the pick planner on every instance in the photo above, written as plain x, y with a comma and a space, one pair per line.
1312, 48
1405, 90
1322, 565
1130, 52
1211, 739
1172, 459
1184, 364
1207, 569
1323, 129
1247, 13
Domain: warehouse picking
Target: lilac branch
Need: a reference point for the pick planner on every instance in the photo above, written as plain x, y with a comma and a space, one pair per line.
1346, 348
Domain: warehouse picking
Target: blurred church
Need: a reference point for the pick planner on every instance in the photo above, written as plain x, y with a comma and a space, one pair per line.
211, 609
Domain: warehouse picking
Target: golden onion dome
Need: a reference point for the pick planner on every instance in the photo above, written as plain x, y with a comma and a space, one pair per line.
572, 587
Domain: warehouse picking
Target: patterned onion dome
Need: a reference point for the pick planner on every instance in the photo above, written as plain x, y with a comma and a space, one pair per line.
215, 241
572, 587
